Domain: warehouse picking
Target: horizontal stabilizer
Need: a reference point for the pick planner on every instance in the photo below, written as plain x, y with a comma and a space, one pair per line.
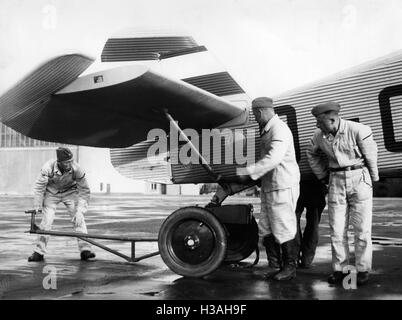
144, 48
21, 106
111, 108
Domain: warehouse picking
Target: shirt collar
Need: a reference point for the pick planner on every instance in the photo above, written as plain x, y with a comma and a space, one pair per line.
270, 123
341, 130
56, 169
342, 126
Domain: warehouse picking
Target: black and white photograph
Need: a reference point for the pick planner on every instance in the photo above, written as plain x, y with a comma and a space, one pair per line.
200, 156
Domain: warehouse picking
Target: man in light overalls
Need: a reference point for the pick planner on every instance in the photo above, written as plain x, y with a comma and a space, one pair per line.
280, 177
61, 180
352, 162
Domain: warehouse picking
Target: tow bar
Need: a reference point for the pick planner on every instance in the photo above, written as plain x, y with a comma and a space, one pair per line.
86, 237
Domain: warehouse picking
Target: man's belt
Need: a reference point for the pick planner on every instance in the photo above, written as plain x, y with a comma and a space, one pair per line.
355, 167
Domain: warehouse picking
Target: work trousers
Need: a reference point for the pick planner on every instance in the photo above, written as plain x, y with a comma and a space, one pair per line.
350, 201
312, 199
50, 202
278, 214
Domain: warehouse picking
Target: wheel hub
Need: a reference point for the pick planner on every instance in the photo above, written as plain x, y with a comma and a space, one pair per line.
192, 242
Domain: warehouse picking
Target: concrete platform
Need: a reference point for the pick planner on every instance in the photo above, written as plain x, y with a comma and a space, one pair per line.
110, 277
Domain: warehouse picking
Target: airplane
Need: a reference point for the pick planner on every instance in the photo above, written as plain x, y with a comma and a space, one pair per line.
169, 83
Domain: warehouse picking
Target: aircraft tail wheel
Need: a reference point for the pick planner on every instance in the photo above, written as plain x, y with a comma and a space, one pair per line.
192, 242
242, 240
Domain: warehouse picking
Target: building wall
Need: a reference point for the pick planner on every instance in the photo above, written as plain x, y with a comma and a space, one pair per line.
182, 189
19, 167
190, 189
21, 159
172, 189
155, 188
102, 176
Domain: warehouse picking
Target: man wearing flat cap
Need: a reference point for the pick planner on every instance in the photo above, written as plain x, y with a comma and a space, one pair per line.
61, 180
350, 168
280, 177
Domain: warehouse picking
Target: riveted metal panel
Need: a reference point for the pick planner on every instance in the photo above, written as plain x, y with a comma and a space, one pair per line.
21, 106
195, 173
220, 84
143, 48
134, 163
358, 93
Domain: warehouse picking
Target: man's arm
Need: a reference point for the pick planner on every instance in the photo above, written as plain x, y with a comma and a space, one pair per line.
315, 159
40, 187
279, 145
83, 190
369, 150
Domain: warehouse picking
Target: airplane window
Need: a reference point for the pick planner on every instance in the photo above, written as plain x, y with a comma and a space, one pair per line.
390, 102
396, 103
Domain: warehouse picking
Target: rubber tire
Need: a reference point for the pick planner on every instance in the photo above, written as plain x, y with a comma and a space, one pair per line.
179, 266
249, 244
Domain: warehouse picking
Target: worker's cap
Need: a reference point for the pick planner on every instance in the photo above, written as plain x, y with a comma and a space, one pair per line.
324, 107
262, 102
64, 154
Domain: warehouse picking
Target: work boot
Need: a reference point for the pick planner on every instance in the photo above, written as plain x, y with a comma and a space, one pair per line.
289, 257
306, 261
362, 278
336, 277
87, 255
273, 250
35, 257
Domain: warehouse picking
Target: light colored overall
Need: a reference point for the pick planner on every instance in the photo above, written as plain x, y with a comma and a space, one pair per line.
350, 193
280, 177
70, 188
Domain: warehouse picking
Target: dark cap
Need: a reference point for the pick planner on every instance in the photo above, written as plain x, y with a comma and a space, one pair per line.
324, 107
64, 154
262, 102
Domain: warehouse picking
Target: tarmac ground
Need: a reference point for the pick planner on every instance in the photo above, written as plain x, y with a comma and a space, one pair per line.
63, 276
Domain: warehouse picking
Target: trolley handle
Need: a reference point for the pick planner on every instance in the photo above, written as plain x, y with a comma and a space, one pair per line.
33, 211
34, 227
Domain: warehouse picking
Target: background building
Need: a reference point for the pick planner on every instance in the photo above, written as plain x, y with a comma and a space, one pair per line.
21, 159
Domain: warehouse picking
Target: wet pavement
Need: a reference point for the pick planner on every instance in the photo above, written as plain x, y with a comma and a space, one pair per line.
110, 277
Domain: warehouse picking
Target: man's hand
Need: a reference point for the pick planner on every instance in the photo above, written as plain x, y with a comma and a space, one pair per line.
78, 218
325, 180
242, 176
244, 179
38, 210
324, 184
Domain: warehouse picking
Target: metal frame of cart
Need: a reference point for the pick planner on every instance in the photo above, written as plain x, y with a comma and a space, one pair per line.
86, 237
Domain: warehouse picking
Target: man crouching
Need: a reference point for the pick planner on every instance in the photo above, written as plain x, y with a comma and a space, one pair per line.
61, 180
